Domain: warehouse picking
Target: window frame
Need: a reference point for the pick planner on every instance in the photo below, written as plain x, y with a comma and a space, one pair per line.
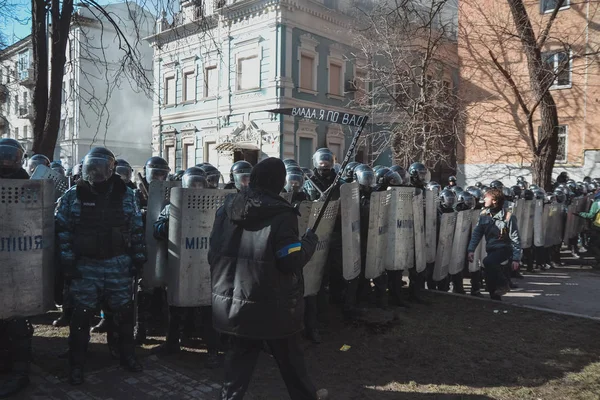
308, 130
241, 56
555, 64
565, 6
206, 81
364, 87
564, 135
167, 77
342, 82
184, 93
308, 47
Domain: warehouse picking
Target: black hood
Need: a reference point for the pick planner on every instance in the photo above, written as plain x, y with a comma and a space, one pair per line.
252, 208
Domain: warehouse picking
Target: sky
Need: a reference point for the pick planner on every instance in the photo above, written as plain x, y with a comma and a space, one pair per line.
18, 24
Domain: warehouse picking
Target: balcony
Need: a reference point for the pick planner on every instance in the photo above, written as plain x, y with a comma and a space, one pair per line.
26, 77
26, 112
3, 93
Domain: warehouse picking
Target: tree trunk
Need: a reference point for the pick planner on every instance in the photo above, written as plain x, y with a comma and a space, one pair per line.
61, 25
40, 71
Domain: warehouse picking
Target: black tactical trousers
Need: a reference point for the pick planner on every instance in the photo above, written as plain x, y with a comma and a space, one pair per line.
241, 360
494, 264
188, 318
15, 345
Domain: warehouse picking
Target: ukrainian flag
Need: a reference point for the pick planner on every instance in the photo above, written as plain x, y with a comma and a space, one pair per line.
289, 249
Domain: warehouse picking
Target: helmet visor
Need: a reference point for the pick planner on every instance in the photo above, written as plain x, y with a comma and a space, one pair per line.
241, 180
294, 183
194, 182
213, 180
124, 172
96, 170
323, 161
10, 157
393, 178
365, 178
156, 174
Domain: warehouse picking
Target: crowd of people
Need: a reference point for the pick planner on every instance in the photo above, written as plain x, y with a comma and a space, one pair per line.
256, 258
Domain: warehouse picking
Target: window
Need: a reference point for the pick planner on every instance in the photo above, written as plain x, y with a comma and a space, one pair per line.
7, 74
25, 131
17, 133
189, 86
189, 155
336, 149
170, 156
560, 64
211, 80
17, 104
305, 152
306, 72
561, 153
71, 128
335, 79
548, 6
211, 155
170, 90
23, 65
248, 73
25, 99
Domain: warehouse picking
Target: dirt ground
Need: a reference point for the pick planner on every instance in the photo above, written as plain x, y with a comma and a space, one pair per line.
453, 348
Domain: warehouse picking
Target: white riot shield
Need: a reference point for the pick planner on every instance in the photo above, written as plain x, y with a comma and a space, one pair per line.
431, 207
304, 208
539, 224
350, 198
419, 229
460, 242
379, 224
314, 270
191, 219
527, 218
570, 223
477, 259
26, 247
287, 196
561, 224
444, 247
518, 208
400, 248
61, 182
154, 274
550, 223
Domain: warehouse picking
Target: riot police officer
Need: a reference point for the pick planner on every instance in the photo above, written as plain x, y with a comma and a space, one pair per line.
324, 175
446, 205
76, 174
99, 225
15, 332
419, 177
57, 167
124, 170
239, 175
294, 183
451, 182
35, 160
155, 169
212, 176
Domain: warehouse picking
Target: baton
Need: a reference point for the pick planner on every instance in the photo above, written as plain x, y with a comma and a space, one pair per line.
339, 174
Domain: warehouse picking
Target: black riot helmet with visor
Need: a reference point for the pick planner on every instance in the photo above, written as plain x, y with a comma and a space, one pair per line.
11, 154
57, 167
124, 170
419, 174
212, 176
35, 161
348, 174
403, 174
392, 178
380, 174
98, 165
365, 177
294, 179
431, 185
447, 200
157, 169
323, 162
240, 174
194, 178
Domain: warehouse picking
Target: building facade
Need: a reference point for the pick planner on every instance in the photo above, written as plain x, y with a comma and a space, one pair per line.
496, 143
221, 65
103, 102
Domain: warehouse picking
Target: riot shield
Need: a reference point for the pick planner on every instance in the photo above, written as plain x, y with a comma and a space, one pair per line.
379, 224
561, 221
191, 218
570, 222
419, 229
350, 198
444, 247
400, 248
26, 247
527, 217
314, 270
287, 196
477, 259
518, 208
460, 242
551, 224
155, 268
539, 224
61, 182
431, 207
304, 208
582, 206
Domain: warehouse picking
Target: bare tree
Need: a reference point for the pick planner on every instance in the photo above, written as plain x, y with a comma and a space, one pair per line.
407, 62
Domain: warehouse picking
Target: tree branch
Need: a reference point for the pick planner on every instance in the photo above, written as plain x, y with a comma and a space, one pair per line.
546, 31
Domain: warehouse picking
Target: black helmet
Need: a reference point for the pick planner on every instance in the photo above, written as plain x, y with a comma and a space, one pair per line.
380, 174
157, 169
240, 174
478, 184
464, 201
364, 176
57, 167
447, 199
563, 177
496, 185
523, 185
178, 176
194, 178
581, 189
212, 176
528, 194
509, 195
476, 193
323, 161
431, 185
560, 194
403, 174
517, 191
452, 180
294, 179
587, 179
11, 156
289, 162
550, 197
98, 165
520, 178
377, 168
124, 170
392, 178
539, 193
35, 160
349, 171
456, 189
419, 175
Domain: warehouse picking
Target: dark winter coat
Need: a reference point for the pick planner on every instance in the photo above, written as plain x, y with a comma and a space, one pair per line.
256, 262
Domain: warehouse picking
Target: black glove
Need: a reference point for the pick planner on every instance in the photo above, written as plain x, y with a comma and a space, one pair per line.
311, 237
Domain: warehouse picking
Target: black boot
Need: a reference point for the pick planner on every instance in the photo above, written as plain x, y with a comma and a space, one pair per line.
20, 332
476, 284
457, 284
79, 337
124, 324
395, 285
